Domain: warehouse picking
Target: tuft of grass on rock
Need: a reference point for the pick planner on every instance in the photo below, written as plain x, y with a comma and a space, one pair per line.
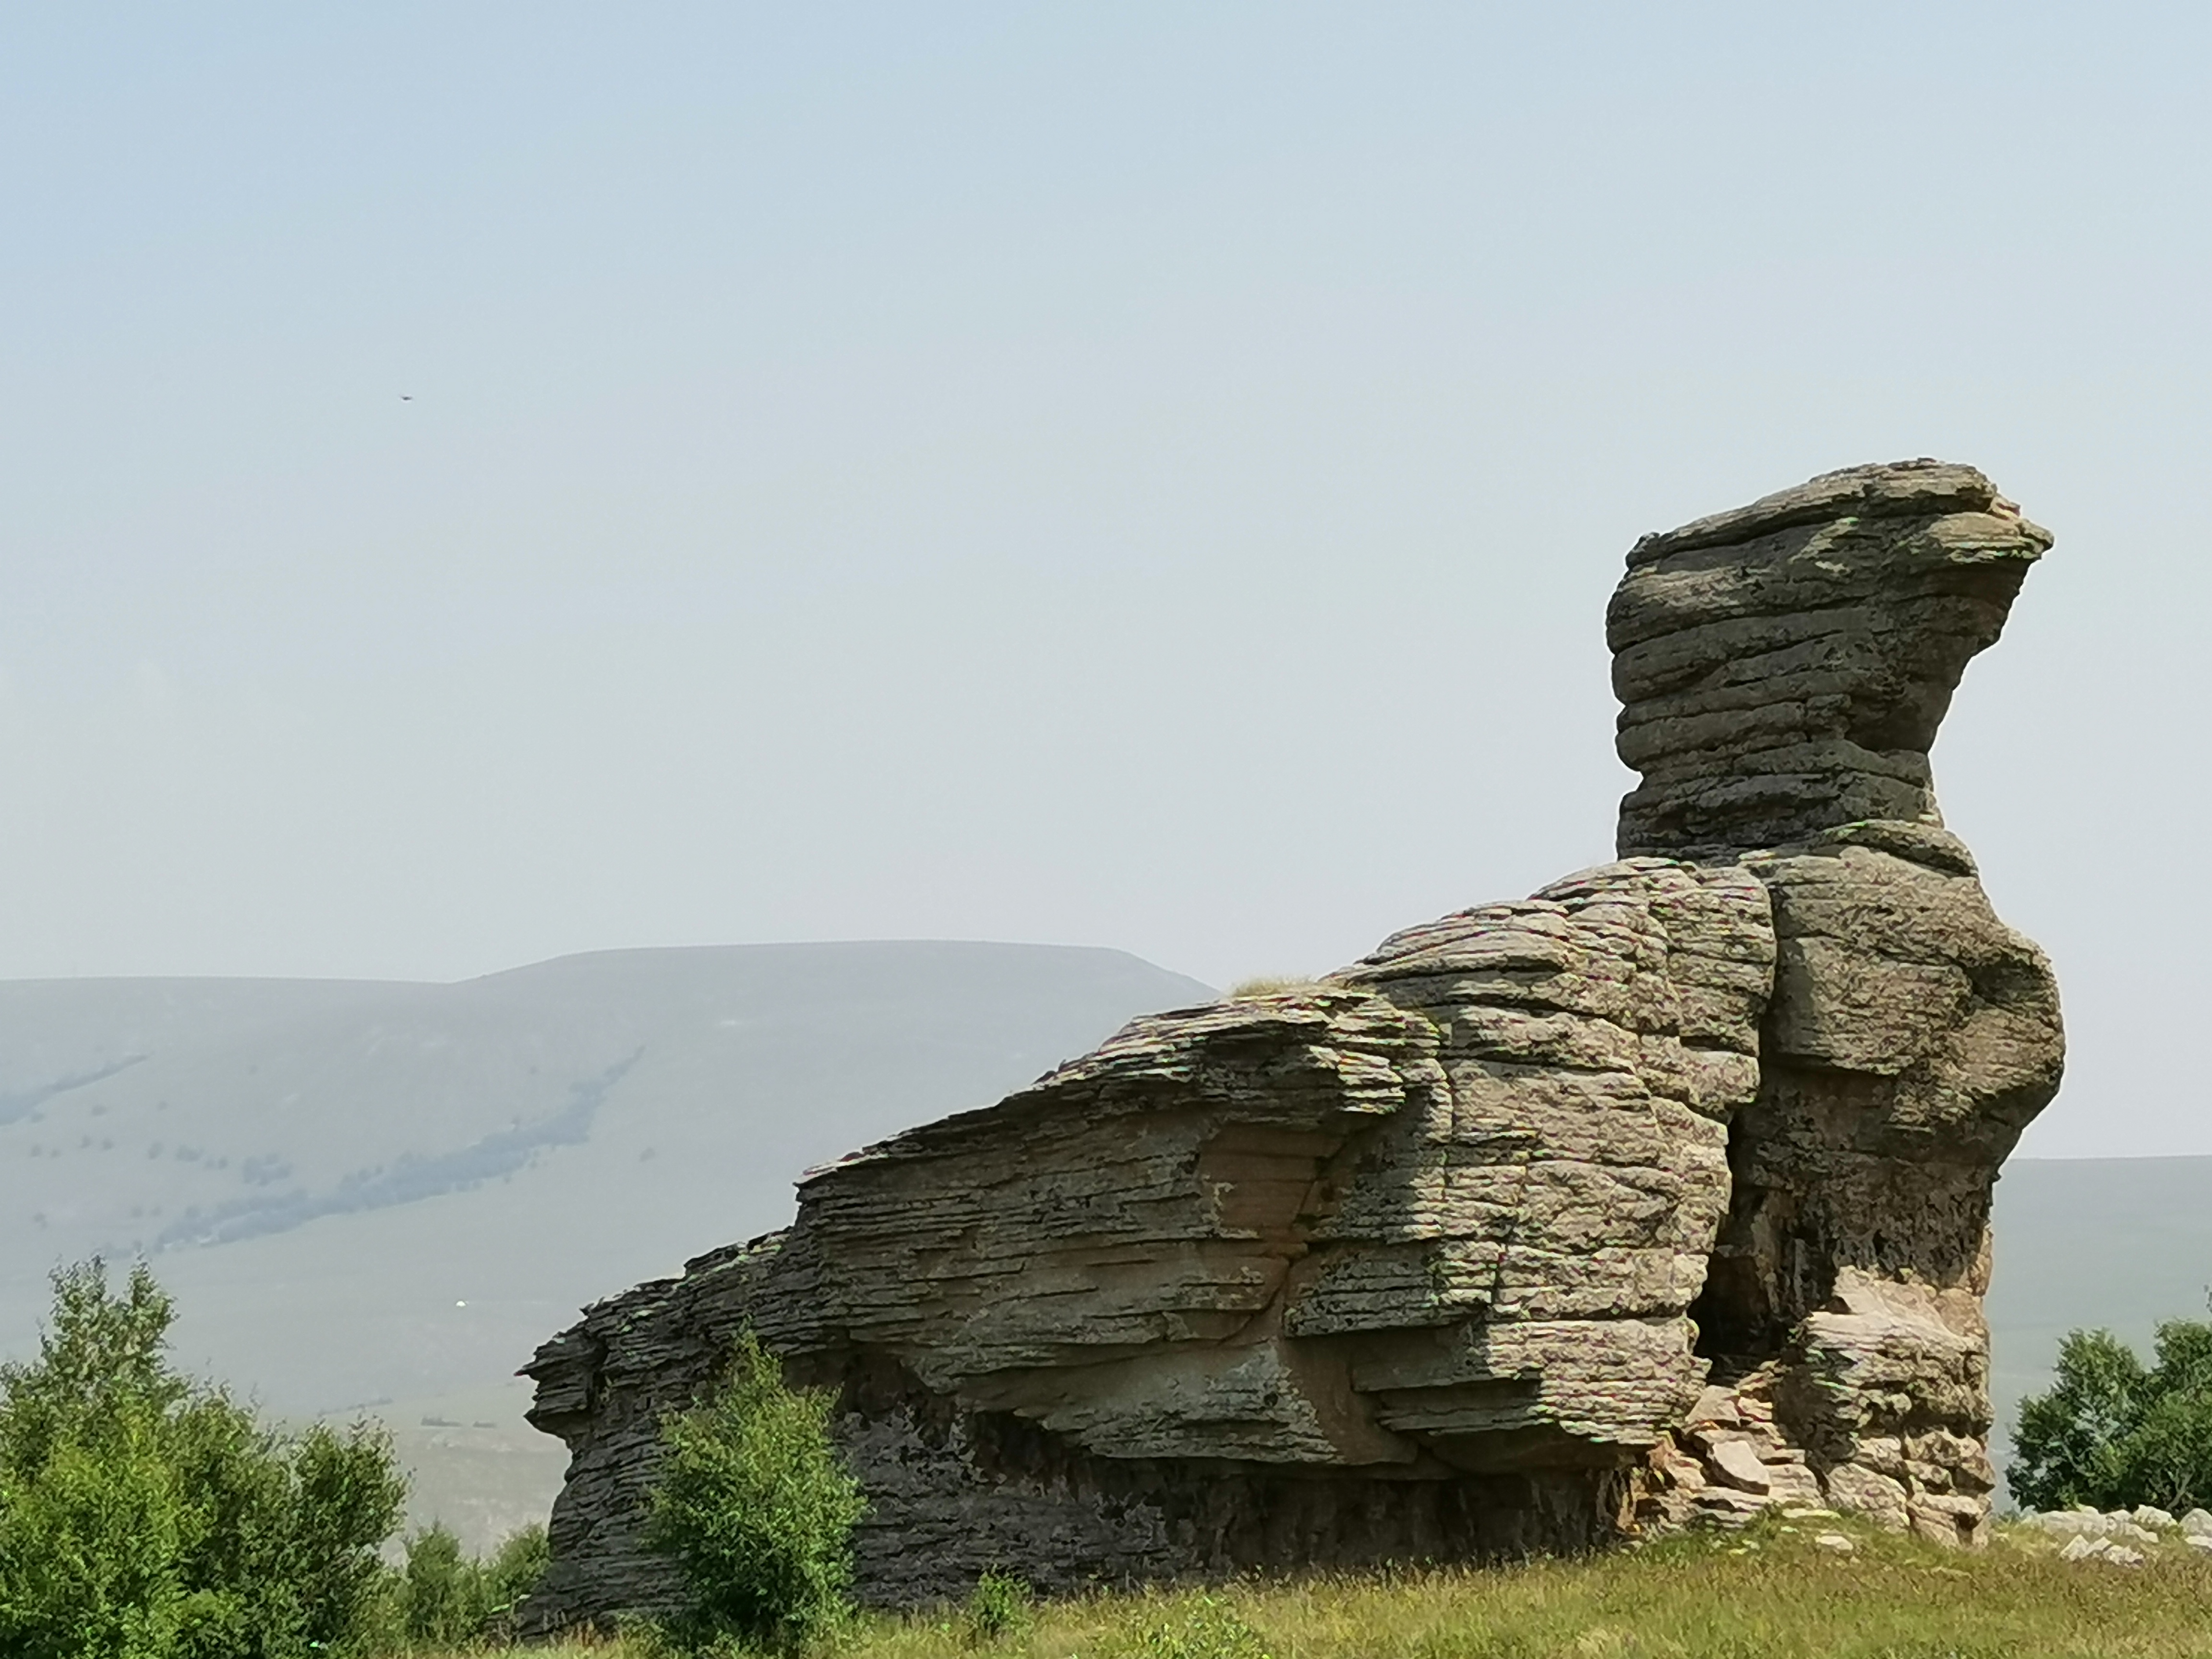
1251, 990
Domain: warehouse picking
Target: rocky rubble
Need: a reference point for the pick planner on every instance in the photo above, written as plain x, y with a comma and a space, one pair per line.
1661, 1194
2121, 1538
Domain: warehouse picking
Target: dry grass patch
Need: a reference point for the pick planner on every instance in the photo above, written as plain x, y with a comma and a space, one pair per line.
1769, 1594
1270, 985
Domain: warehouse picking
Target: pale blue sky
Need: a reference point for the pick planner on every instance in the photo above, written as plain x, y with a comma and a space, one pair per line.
1134, 475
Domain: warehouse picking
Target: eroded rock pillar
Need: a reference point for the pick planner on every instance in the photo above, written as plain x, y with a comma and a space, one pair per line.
1782, 670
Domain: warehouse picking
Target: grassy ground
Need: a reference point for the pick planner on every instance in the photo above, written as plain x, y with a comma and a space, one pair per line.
1769, 1594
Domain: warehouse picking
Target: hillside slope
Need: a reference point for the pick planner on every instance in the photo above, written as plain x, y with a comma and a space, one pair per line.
366, 1191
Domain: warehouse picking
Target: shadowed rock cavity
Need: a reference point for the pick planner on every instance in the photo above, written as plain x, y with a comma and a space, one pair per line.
1663, 1192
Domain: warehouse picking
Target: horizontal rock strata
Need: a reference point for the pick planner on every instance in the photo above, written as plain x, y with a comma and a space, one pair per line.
1395, 1266
1661, 1194
1782, 669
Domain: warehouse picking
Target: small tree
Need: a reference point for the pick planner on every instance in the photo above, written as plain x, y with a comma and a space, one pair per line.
2113, 1433
756, 1508
511, 1577
437, 1590
145, 1516
444, 1599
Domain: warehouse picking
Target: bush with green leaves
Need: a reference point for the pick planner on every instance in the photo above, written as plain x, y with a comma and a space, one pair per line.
757, 1510
144, 1515
2113, 1433
997, 1607
443, 1599
1204, 1626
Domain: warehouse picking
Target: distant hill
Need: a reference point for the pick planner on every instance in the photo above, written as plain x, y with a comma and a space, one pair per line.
366, 1192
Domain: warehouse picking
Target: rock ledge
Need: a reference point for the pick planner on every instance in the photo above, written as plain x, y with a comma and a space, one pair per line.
1659, 1195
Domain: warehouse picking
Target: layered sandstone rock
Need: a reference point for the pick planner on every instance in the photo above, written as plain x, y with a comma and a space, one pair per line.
1395, 1266
1664, 1192
1782, 670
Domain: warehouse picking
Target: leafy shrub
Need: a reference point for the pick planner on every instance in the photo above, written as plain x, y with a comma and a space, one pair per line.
2113, 1433
1201, 1627
755, 1508
443, 1599
146, 1516
437, 1600
512, 1575
999, 1606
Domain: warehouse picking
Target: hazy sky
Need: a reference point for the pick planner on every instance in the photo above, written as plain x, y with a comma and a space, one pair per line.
1120, 474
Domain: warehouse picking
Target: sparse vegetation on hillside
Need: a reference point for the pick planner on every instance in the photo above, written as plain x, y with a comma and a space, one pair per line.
2112, 1432
757, 1510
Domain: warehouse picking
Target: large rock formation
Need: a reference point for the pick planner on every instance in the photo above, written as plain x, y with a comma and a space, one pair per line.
1663, 1192
1782, 671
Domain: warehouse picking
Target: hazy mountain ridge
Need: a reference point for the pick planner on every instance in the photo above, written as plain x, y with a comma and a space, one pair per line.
185, 1112
410, 1176
325, 1171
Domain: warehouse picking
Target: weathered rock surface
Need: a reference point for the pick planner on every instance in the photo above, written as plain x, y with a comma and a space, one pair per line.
1782, 669
1661, 1194
1397, 1266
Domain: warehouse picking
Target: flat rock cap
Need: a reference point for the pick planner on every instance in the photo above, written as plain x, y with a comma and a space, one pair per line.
1894, 489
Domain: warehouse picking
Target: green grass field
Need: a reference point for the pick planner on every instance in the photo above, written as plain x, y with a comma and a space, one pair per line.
1768, 1593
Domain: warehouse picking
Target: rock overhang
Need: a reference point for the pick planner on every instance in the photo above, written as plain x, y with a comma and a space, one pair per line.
1473, 1244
